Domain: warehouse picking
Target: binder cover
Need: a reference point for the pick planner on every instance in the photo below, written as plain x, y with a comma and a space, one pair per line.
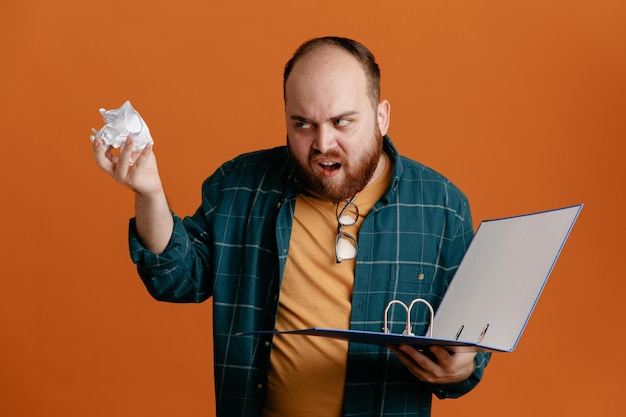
494, 291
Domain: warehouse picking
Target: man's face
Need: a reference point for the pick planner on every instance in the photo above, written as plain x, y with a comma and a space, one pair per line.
334, 131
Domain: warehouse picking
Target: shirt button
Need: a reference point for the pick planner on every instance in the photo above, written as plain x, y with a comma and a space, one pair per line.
420, 276
267, 343
259, 386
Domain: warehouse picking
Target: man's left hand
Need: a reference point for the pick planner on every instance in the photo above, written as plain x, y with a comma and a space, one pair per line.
451, 364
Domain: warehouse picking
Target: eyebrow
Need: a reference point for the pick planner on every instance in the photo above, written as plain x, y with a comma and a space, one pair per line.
340, 116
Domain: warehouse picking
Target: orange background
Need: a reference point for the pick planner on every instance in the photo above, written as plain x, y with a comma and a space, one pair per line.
521, 103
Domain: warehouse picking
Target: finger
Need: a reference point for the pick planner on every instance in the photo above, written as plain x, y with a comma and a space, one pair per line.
100, 155
416, 356
440, 354
403, 356
143, 156
124, 160
110, 155
462, 349
411, 364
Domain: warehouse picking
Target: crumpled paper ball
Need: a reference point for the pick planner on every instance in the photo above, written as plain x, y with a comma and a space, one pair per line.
121, 123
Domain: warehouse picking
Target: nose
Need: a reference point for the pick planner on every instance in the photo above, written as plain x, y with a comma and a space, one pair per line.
324, 139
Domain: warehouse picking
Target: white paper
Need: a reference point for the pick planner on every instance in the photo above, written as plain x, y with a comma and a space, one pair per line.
119, 124
502, 275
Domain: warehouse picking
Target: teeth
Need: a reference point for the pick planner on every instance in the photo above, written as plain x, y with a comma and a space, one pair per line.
328, 164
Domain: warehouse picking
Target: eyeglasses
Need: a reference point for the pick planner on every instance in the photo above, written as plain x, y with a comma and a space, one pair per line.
345, 244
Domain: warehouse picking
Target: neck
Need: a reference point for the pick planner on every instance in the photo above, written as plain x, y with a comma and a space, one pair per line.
380, 168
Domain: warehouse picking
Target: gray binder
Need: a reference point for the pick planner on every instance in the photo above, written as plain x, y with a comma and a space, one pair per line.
494, 291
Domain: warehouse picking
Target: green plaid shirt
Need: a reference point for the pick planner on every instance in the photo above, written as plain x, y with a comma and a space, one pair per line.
234, 249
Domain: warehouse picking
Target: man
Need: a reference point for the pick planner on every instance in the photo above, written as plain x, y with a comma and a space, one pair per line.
323, 232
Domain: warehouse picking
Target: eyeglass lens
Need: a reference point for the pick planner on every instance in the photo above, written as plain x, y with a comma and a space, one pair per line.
347, 213
345, 244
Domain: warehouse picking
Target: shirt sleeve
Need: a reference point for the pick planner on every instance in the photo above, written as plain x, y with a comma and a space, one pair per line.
461, 388
176, 274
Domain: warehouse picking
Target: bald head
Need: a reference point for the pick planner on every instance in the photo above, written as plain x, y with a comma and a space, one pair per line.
352, 48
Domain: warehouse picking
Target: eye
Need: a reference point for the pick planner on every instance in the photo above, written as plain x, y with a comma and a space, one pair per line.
341, 122
303, 125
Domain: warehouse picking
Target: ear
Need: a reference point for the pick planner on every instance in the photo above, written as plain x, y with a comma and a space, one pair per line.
383, 114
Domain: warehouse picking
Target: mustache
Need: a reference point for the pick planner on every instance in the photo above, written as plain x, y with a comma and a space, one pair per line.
315, 155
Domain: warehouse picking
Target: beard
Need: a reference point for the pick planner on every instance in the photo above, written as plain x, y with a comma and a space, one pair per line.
356, 177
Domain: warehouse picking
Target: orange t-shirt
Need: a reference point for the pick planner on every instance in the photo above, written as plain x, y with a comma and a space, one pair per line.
307, 373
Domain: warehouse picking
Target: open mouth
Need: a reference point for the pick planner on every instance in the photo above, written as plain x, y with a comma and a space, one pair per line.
328, 168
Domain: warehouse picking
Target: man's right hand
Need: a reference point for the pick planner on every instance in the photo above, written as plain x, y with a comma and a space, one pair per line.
138, 171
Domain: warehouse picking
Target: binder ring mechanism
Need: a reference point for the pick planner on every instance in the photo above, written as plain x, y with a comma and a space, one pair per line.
408, 329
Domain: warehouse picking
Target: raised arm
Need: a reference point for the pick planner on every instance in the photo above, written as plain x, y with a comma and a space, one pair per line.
138, 171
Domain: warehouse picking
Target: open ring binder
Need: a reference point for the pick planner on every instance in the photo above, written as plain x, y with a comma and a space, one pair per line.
495, 287
408, 330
